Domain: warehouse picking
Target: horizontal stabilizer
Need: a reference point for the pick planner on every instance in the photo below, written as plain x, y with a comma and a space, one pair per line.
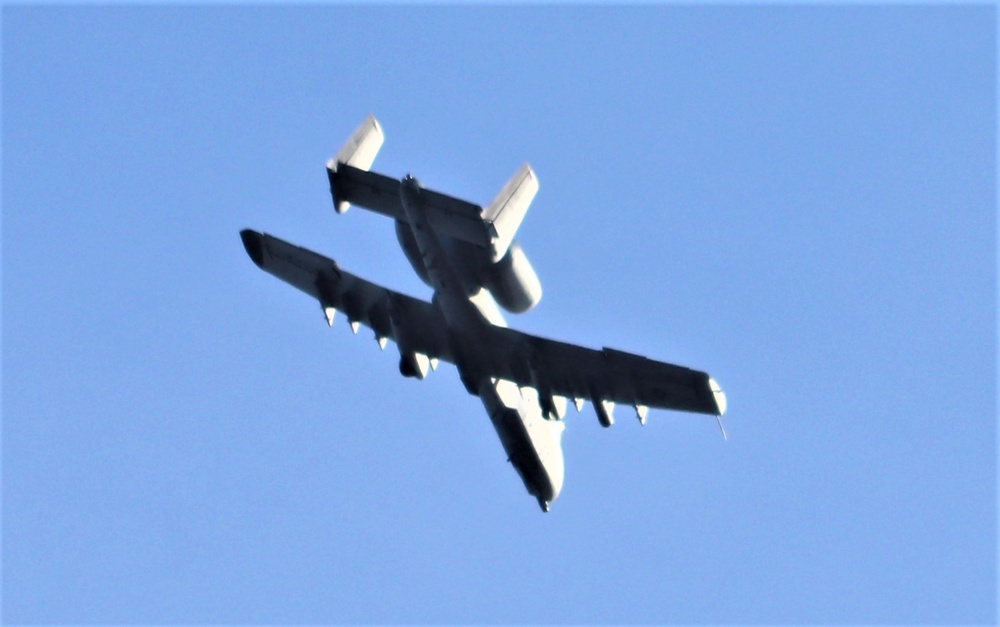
380, 193
509, 207
359, 152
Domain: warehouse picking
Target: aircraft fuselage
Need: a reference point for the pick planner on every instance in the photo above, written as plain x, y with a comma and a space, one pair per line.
533, 444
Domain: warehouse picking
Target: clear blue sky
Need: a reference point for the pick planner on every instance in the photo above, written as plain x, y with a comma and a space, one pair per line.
799, 200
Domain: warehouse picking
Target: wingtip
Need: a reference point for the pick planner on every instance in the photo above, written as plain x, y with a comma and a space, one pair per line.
253, 242
719, 396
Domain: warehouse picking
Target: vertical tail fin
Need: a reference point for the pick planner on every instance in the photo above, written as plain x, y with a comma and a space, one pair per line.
358, 151
509, 207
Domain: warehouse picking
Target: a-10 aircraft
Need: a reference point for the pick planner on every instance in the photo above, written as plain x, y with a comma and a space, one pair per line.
468, 255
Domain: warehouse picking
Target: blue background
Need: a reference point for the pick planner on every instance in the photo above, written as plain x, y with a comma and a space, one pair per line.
799, 200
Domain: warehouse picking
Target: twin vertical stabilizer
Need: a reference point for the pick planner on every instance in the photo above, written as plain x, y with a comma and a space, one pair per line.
359, 151
500, 265
492, 227
507, 210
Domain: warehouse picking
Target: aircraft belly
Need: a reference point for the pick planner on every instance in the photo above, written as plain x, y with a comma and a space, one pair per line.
533, 444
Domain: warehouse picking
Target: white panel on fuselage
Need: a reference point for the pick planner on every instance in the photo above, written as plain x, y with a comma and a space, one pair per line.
532, 443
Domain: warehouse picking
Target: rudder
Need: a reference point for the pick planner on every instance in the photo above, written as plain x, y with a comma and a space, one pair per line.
508, 209
358, 151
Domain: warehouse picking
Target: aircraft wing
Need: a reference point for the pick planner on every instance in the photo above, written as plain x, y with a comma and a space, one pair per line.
457, 218
603, 375
547, 365
388, 313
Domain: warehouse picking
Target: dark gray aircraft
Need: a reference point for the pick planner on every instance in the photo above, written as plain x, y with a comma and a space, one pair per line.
468, 255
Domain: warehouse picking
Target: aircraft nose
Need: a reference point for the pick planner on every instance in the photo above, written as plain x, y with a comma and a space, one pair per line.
552, 459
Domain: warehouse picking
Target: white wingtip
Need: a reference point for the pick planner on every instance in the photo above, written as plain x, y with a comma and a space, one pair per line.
720, 396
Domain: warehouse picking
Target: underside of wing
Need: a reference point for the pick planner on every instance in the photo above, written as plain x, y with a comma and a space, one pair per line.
602, 376
412, 323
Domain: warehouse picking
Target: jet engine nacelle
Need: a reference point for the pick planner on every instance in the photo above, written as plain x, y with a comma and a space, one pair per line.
513, 281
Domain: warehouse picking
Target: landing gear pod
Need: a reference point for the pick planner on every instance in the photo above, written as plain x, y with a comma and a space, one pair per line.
413, 365
605, 412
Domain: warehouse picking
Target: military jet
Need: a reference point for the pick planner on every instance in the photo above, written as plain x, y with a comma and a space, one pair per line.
468, 255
